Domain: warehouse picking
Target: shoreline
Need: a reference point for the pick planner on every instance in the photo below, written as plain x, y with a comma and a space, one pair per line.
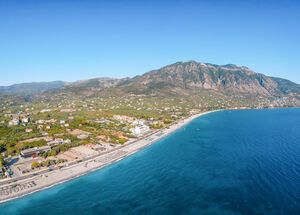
55, 177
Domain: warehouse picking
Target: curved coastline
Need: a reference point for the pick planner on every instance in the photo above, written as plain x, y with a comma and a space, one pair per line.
52, 178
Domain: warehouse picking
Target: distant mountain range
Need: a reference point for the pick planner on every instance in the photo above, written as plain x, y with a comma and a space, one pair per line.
27, 89
178, 79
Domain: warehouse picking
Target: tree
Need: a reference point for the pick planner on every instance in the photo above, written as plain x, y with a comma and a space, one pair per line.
122, 140
1, 161
35, 164
2, 146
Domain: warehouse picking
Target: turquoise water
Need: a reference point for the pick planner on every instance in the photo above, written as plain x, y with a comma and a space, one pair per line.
229, 162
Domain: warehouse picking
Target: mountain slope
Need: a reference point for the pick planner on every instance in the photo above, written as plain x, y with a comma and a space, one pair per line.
29, 89
185, 77
234, 85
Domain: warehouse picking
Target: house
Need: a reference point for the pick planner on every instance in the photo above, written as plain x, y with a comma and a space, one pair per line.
28, 130
102, 120
68, 110
56, 141
26, 120
67, 141
50, 121
45, 110
41, 121
82, 136
138, 122
45, 133
123, 118
48, 139
14, 121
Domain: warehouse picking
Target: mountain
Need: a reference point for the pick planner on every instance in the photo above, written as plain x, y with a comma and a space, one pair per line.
193, 77
29, 89
90, 87
39, 88
95, 83
188, 80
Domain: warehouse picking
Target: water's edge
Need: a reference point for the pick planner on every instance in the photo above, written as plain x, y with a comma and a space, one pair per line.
167, 132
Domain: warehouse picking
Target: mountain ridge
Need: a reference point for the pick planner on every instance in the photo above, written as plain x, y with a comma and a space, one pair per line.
228, 78
31, 88
190, 78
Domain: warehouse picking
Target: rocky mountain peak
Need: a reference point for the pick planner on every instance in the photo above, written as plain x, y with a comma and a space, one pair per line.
191, 75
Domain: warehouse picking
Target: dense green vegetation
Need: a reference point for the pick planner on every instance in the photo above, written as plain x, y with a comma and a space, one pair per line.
26, 145
1, 161
46, 163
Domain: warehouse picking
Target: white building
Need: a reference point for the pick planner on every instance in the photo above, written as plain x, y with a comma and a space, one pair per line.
40, 121
139, 130
82, 136
14, 121
45, 110
25, 120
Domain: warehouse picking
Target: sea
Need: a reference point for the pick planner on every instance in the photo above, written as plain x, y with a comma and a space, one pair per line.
228, 162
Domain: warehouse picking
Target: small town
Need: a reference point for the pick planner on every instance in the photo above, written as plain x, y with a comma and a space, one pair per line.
47, 135
59, 137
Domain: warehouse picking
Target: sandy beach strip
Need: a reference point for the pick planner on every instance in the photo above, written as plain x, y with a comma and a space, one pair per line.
51, 178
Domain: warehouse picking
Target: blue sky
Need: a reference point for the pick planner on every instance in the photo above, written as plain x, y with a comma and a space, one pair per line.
72, 40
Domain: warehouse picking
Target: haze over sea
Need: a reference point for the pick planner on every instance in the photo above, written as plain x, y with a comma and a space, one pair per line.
227, 162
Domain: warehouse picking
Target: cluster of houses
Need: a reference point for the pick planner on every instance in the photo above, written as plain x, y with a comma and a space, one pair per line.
24, 119
47, 123
19, 118
137, 127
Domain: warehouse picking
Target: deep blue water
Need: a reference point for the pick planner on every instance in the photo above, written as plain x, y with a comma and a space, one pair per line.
229, 162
